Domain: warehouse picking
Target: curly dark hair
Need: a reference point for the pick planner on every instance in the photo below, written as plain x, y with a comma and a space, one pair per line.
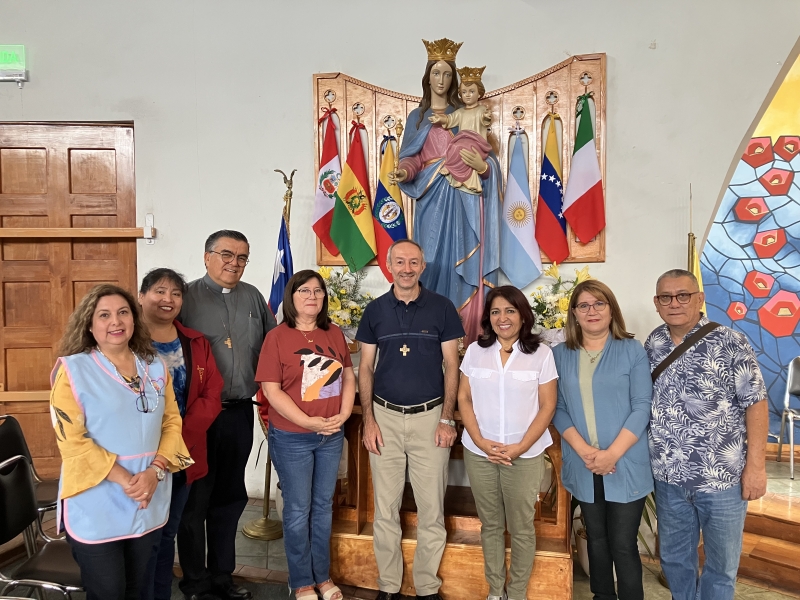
528, 341
77, 337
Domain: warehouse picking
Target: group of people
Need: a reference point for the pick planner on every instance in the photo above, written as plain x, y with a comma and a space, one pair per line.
694, 389
152, 404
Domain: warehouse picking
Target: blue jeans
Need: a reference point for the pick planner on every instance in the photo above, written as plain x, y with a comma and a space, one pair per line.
307, 465
158, 584
682, 514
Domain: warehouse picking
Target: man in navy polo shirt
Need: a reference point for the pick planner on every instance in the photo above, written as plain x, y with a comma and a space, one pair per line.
408, 404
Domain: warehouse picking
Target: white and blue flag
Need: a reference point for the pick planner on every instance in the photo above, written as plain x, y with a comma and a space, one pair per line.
520, 258
284, 269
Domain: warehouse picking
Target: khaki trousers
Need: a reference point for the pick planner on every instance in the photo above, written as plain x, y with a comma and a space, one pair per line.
409, 438
505, 496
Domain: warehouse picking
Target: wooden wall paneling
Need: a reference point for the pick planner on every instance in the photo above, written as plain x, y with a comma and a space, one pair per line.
23, 171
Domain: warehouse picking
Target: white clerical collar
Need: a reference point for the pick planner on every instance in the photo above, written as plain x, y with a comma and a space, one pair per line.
227, 290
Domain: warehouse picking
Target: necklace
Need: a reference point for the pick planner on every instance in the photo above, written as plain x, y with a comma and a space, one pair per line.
304, 334
592, 359
135, 383
228, 341
404, 349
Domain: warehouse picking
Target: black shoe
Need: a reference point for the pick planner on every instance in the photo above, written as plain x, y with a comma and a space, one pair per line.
388, 596
231, 591
202, 596
430, 597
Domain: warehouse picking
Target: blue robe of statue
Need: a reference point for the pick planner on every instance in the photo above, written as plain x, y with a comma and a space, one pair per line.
447, 220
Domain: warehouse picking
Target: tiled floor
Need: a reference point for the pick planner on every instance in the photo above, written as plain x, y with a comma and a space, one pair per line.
262, 565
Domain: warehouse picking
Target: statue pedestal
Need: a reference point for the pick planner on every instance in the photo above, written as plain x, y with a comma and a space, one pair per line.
461, 569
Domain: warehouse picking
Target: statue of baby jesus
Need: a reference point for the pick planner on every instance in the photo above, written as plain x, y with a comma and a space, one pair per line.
473, 121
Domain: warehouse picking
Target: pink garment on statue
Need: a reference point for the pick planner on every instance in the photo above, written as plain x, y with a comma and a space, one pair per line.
434, 147
464, 140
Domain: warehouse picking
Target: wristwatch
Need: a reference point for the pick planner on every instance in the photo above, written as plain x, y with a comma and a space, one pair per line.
160, 473
447, 422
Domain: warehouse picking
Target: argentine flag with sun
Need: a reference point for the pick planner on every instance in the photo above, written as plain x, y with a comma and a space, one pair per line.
519, 252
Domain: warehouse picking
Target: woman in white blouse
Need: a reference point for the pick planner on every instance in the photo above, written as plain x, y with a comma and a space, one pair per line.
507, 398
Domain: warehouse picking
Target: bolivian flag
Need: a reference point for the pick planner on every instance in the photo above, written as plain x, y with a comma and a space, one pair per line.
352, 229
390, 222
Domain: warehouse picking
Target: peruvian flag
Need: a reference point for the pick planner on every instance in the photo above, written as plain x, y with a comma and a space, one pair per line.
330, 172
584, 207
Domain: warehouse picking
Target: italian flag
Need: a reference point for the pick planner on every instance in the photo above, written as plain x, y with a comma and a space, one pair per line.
584, 208
352, 229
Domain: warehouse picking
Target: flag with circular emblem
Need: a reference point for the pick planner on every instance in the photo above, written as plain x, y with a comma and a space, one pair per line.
520, 258
351, 228
390, 222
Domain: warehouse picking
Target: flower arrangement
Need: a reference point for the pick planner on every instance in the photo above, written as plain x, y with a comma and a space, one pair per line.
550, 303
346, 302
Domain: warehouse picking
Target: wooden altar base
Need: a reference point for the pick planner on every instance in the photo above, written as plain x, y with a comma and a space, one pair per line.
461, 569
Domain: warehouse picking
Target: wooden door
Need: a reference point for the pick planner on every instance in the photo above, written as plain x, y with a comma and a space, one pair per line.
53, 179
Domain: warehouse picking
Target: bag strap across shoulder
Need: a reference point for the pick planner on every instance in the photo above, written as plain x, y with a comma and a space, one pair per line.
683, 347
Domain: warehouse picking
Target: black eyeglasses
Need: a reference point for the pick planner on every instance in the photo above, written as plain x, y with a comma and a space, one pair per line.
227, 257
682, 298
142, 403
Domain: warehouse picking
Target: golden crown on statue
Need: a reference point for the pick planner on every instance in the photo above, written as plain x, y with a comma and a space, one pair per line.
442, 49
471, 74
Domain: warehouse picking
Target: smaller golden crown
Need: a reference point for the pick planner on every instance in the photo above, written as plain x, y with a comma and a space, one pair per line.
442, 49
471, 74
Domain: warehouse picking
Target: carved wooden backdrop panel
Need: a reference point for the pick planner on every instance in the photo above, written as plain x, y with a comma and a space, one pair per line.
564, 81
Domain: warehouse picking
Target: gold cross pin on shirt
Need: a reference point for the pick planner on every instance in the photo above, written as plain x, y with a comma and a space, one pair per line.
405, 350
228, 342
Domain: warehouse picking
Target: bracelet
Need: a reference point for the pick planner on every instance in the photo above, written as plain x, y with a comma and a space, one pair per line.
159, 464
447, 422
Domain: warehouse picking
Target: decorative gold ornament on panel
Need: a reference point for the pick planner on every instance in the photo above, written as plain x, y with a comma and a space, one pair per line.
525, 104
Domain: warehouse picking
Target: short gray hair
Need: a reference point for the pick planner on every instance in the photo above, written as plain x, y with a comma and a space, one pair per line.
404, 241
677, 273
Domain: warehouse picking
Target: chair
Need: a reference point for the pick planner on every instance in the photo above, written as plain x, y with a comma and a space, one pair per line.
792, 389
52, 566
12, 443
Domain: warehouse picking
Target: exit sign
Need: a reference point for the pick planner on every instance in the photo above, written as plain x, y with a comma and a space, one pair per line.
12, 63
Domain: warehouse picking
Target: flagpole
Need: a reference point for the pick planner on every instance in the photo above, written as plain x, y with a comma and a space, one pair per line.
265, 528
692, 241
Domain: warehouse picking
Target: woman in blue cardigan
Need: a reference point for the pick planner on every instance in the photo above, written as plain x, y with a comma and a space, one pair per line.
604, 396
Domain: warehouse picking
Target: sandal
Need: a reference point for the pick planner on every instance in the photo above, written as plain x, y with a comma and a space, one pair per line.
306, 593
331, 593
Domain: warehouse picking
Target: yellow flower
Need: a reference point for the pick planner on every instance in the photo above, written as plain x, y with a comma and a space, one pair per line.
334, 303
325, 272
345, 270
551, 271
559, 323
563, 305
342, 291
582, 275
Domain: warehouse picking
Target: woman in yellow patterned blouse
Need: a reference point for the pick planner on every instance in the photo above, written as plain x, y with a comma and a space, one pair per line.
119, 433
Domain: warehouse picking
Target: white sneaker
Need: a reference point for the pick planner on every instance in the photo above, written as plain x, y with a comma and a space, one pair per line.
503, 597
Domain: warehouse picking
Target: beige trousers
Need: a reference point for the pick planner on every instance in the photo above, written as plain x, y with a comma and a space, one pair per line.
505, 496
409, 439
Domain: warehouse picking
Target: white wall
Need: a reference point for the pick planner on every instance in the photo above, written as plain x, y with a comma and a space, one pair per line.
220, 94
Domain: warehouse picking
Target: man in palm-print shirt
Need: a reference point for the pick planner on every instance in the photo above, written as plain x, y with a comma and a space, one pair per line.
708, 433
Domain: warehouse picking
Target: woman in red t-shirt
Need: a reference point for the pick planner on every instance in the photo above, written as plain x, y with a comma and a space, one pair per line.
306, 374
